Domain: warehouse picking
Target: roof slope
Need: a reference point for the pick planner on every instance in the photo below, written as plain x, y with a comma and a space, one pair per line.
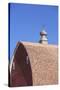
44, 62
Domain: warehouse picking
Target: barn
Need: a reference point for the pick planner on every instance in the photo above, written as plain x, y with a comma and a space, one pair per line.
33, 64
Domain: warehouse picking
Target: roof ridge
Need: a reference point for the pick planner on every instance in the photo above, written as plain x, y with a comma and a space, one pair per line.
37, 44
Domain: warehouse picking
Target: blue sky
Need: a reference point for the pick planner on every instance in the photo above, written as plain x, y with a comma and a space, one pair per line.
27, 20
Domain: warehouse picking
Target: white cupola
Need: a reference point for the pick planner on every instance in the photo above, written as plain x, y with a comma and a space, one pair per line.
43, 37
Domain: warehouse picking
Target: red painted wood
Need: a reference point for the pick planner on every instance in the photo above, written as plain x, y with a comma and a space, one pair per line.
22, 75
